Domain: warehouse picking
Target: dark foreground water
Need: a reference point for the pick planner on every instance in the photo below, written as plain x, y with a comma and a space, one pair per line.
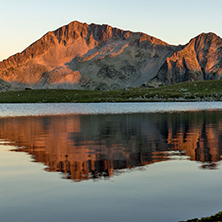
111, 167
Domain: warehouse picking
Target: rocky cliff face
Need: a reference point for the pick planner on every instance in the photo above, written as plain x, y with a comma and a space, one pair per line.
101, 57
200, 59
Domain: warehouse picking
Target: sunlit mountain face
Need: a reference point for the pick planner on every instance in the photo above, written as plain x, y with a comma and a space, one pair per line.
86, 147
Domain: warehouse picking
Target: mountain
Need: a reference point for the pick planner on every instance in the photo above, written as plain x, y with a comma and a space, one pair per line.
200, 59
82, 56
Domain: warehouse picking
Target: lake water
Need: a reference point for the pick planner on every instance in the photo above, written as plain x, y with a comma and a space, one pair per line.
110, 162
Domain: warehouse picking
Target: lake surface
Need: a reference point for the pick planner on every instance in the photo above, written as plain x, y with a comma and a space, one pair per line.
34, 109
110, 162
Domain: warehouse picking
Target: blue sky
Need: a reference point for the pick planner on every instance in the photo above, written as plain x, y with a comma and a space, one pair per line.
174, 21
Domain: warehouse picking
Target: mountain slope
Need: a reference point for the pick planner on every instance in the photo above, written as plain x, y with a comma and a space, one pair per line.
200, 59
93, 56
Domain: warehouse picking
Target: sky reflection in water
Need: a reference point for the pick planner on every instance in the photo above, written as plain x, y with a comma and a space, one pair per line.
117, 152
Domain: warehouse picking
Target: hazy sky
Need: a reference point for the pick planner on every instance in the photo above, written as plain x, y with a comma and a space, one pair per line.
24, 21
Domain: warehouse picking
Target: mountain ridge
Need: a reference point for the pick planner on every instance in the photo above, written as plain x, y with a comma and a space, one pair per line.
93, 56
200, 59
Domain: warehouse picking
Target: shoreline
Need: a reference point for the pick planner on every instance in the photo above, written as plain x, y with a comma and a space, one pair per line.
216, 218
202, 91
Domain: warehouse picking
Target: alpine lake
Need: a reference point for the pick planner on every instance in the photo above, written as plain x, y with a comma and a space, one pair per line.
110, 162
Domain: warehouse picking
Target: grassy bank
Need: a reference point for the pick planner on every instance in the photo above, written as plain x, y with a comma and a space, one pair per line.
216, 218
188, 91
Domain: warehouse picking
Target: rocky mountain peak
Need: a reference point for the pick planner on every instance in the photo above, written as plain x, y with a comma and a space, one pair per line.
200, 59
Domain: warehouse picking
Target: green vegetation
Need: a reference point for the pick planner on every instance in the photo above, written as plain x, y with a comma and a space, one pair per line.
216, 218
188, 91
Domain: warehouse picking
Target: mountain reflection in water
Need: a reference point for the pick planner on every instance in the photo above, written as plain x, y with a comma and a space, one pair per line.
94, 146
